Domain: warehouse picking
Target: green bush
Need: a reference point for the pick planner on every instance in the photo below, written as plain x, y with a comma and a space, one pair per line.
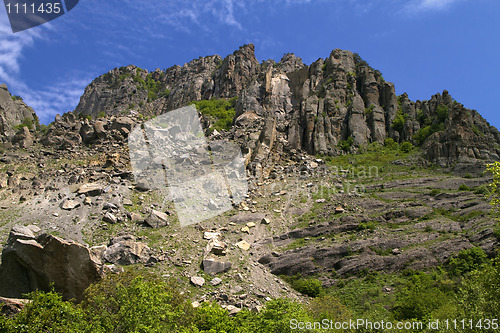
435, 192
220, 111
101, 114
16, 98
390, 143
482, 189
467, 260
129, 302
310, 286
496, 233
27, 122
463, 187
426, 132
442, 113
46, 312
406, 147
479, 294
346, 144
419, 298
399, 122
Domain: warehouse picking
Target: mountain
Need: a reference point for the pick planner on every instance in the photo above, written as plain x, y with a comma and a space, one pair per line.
353, 191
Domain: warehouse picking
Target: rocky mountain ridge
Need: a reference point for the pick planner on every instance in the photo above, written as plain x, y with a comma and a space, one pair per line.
289, 106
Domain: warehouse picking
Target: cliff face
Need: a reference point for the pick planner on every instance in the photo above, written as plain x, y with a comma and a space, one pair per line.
288, 106
13, 111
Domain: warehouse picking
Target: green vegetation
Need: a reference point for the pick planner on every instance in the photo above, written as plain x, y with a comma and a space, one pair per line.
101, 114
406, 147
220, 111
494, 168
27, 122
442, 113
16, 98
346, 144
467, 261
369, 110
431, 125
463, 187
308, 286
399, 122
129, 302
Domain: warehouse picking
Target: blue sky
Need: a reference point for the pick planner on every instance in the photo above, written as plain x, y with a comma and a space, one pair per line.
423, 46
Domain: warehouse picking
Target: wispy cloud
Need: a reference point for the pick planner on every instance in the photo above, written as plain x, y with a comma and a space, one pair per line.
427, 5
59, 97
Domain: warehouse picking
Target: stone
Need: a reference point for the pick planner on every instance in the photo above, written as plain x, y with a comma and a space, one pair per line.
232, 309
125, 250
339, 210
69, 204
156, 219
216, 281
23, 138
109, 206
251, 224
30, 263
11, 306
243, 245
110, 218
245, 229
212, 266
216, 247
211, 235
195, 304
90, 189
135, 217
265, 220
197, 281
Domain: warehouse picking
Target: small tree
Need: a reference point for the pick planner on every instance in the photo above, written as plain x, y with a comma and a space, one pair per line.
494, 168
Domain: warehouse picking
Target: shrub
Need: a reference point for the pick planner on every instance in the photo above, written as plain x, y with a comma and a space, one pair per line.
46, 312
467, 260
129, 302
426, 132
406, 147
442, 113
464, 187
16, 98
399, 122
479, 294
496, 233
220, 111
419, 298
27, 122
482, 189
346, 144
390, 143
329, 307
101, 114
435, 192
307, 286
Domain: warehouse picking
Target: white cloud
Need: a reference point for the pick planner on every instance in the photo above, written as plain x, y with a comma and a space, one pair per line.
426, 5
60, 97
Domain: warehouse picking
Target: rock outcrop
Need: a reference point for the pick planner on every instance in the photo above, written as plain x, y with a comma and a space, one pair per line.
31, 262
13, 112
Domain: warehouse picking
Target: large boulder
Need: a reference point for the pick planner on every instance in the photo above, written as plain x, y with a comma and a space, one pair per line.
124, 250
31, 262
